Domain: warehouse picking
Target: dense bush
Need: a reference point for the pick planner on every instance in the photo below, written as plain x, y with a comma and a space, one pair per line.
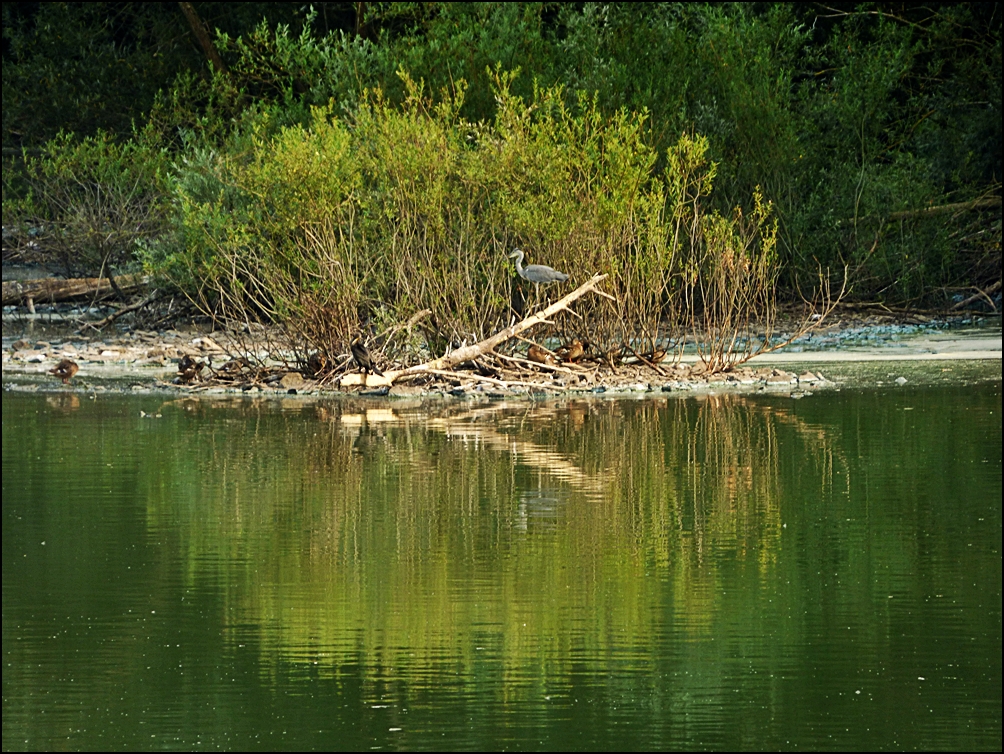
372, 219
90, 67
889, 130
90, 205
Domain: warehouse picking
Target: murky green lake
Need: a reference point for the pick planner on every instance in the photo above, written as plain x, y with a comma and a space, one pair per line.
706, 572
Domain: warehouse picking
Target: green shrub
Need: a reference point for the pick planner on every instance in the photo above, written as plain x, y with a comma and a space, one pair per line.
366, 221
91, 203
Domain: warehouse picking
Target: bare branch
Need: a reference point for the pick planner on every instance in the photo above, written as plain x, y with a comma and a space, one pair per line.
467, 353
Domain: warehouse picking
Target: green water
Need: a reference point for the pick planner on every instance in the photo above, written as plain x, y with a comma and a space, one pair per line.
715, 572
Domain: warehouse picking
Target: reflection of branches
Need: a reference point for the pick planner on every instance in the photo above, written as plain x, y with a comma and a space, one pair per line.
732, 475
362, 505
824, 451
467, 427
732, 470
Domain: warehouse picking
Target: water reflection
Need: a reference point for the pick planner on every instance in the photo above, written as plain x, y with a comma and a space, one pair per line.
565, 573
64, 402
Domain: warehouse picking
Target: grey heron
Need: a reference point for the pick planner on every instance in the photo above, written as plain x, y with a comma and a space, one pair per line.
536, 273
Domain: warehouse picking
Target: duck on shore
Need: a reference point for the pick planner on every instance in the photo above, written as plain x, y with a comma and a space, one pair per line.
65, 370
189, 369
541, 355
573, 351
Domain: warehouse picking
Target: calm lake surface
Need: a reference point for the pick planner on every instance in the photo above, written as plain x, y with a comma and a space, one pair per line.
697, 572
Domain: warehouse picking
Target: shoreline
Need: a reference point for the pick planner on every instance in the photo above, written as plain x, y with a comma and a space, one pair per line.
139, 361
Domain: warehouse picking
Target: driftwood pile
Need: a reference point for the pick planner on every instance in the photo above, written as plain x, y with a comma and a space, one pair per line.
477, 363
489, 366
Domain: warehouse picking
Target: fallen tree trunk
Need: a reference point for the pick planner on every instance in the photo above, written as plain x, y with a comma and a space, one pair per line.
61, 289
980, 294
455, 358
941, 209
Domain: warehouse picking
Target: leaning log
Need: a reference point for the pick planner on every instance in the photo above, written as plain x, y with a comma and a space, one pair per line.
467, 353
42, 290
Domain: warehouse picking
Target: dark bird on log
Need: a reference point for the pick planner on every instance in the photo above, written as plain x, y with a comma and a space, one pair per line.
65, 370
536, 273
362, 356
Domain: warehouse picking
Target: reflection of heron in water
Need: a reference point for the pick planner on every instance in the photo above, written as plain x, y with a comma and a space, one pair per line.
535, 506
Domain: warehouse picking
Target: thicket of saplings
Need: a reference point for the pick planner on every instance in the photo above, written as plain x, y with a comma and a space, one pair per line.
406, 213
875, 132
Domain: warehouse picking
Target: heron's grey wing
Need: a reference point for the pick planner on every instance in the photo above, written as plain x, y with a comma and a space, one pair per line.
541, 273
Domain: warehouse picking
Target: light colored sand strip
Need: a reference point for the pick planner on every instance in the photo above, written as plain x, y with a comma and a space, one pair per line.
875, 355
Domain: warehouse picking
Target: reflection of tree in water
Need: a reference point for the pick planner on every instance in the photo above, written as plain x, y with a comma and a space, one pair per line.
730, 484
404, 527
